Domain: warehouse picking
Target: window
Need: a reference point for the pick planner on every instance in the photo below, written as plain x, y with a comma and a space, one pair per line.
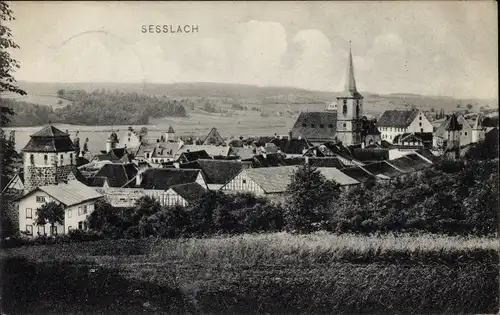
29, 229
69, 213
32, 159
147, 155
85, 209
29, 213
345, 125
420, 118
62, 159
80, 225
45, 159
465, 133
321, 126
53, 230
421, 129
40, 199
420, 124
304, 125
330, 126
71, 158
84, 225
344, 108
312, 126
41, 230
244, 181
79, 210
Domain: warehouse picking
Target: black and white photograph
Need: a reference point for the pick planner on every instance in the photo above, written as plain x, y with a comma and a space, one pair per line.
253, 157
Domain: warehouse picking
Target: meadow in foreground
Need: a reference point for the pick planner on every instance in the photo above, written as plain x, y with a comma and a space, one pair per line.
274, 273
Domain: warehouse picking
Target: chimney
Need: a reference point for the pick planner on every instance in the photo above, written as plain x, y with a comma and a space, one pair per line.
138, 178
362, 145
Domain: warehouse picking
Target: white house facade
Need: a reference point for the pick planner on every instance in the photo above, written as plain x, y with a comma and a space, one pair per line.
395, 122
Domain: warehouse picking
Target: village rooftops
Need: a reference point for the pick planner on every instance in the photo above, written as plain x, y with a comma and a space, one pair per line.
359, 174
397, 118
216, 171
164, 178
116, 175
71, 193
316, 126
292, 145
382, 169
49, 139
192, 156
190, 191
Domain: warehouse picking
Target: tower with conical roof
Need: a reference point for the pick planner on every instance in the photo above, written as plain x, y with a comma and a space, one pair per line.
349, 109
48, 158
452, 144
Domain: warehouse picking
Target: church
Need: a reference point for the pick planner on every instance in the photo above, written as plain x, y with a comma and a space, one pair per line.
341, 120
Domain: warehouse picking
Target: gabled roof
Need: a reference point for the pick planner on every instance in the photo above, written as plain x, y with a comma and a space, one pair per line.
272, 179
291, 146
117, 175
190, 192
195, 155
358, 174
397, 118
337, 176
214, 137
382, 168
216, 171
164, 178
313, 126
365, 155
212, 150
268, 160
70, 193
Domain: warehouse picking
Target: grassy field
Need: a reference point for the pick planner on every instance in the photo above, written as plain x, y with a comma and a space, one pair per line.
255, 274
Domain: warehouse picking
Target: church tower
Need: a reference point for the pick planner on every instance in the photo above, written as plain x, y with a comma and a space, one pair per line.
48, 158
349, 109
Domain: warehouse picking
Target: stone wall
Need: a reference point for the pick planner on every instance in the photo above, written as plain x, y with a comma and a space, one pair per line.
41, 176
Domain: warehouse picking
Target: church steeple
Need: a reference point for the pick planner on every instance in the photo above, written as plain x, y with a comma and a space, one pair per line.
350, 84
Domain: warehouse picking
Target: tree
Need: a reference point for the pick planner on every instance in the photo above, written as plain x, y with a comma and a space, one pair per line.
309, 197
8, 65
469, 106
50, 212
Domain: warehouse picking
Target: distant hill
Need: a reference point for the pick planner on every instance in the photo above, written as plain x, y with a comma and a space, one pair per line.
273, 98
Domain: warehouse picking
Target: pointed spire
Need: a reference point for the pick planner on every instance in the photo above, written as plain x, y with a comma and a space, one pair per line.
350, 84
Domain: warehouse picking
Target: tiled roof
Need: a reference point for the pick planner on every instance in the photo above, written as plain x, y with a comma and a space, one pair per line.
216, 171
194, 155
358, 174
96, 181
291, 146
338, 149
243, 153
212, 150
272, 179
453, 124
337, 176
49, 131
316, 161
269, 160
397, 118
49, 139
365, 155
71, 193
382, 168
164, 178
190, 192
403, 164
316, 126
418, 162
117, 175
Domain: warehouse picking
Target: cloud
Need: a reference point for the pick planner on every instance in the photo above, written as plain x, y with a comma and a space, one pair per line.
312, 61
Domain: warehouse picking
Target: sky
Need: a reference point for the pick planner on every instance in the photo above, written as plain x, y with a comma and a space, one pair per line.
433, 48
